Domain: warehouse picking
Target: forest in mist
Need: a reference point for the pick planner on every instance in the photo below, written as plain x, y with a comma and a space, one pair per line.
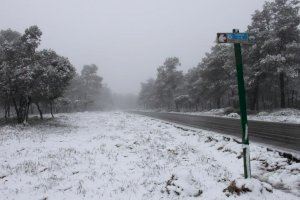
38, 81
271, 69
41, 81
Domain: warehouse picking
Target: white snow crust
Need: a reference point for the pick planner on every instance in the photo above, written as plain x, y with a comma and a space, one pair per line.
116, 155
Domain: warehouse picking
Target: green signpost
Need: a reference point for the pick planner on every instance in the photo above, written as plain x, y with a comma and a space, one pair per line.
238, 38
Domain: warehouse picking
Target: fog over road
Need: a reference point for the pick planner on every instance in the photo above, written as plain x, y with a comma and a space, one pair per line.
276, 134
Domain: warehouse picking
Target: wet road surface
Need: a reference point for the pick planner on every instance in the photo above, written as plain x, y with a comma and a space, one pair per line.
283, 135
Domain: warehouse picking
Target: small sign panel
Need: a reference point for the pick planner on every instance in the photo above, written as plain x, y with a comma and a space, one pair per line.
221, 37
233, 38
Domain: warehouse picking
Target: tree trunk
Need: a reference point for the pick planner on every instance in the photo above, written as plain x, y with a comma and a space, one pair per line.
19, 119
177, 107
296, 100
263, 102
257, 104
51, 109
254, 101
28, 102
282, 94
31, 109
218, 102
22, 109
7, 109
40, 111
292, 99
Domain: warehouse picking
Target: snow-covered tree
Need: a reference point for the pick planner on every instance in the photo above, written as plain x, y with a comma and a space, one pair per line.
28, 76
167, 81
271, 67
273, 57
86, 91
91, 83
217, 73
9, 41
18, 53
52, 75
147, 97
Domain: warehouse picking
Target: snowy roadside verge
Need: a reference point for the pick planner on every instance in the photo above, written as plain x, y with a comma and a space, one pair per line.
126, 156
284, 115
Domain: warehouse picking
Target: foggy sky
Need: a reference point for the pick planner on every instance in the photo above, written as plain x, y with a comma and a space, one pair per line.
128, 39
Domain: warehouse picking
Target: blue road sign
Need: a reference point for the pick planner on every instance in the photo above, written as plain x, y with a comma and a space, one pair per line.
238, 36
232, 38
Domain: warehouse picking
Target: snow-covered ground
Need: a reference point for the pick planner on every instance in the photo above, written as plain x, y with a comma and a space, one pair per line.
283, 115
117, 155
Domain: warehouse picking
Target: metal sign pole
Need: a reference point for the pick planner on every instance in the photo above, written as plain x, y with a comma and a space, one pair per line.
237, 39
243, 109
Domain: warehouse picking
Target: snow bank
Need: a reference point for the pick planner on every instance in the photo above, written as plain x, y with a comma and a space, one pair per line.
284, 115
126, 156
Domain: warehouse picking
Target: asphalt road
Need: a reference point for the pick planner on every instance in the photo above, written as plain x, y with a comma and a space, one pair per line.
282, 135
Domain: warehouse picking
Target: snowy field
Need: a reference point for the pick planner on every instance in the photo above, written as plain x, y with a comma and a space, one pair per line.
287, 115
117, 155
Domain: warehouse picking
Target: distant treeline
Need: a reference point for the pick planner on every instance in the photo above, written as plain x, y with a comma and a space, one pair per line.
85, 92
271, 69
44, 79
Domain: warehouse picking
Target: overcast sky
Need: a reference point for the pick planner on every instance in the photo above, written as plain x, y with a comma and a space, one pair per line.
128, 39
